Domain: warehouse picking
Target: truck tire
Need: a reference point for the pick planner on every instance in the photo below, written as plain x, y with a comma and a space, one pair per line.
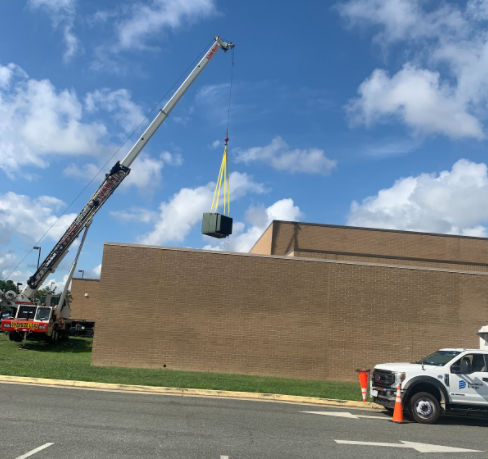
424, 408
54, 337
14, 336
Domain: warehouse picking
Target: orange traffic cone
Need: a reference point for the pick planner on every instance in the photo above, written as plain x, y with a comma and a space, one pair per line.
363, 381
398, 412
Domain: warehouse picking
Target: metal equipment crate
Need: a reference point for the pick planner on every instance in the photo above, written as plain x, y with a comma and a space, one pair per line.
216, 225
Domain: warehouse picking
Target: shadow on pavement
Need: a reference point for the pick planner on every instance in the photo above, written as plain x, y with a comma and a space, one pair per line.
450, 420
460, 420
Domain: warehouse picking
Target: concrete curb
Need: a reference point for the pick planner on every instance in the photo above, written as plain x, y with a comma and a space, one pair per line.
186, 392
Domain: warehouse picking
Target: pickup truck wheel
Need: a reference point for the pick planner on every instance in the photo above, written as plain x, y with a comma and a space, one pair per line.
424, 408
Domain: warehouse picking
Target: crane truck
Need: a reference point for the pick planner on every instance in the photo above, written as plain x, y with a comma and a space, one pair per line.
27, 318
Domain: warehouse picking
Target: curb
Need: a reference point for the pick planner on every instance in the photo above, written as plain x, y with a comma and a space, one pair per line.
187, 392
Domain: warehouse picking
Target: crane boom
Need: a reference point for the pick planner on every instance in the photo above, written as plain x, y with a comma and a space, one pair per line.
112, 180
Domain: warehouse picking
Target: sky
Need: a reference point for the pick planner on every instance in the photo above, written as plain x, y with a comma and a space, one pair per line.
367, 113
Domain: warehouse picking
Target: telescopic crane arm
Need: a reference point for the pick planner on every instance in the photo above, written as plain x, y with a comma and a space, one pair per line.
112, 180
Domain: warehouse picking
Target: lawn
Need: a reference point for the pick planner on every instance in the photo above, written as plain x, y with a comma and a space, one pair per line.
71, 361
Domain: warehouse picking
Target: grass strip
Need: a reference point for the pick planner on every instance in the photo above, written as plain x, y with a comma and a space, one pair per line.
71, 361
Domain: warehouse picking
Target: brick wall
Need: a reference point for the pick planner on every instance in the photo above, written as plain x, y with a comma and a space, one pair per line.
82, 307
441, 264
279, 316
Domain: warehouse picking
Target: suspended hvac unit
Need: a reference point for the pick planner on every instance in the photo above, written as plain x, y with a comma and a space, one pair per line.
216, 225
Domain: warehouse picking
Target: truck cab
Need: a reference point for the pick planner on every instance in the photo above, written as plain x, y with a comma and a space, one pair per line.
449, 379
32, 321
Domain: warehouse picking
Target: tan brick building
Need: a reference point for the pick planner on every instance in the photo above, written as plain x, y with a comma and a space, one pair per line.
84, 299
309, 301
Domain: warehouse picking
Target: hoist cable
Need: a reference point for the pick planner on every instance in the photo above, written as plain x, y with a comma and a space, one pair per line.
230, 91
224, 167
111, 157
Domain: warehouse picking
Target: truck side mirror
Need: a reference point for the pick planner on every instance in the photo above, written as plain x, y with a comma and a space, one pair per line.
456, 369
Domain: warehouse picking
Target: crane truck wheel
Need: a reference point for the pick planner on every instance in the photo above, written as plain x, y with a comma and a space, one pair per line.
424, 408
54, 337
14, 336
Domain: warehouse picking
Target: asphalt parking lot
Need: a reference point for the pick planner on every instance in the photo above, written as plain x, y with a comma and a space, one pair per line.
61, 423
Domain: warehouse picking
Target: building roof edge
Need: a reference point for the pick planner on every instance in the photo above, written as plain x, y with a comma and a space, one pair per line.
302, 259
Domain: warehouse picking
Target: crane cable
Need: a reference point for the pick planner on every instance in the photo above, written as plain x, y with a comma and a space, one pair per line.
111, 157
224, 167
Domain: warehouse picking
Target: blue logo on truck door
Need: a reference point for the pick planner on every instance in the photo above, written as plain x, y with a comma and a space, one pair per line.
462, 384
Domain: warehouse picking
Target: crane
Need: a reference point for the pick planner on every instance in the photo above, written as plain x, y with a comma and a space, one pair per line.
27, 314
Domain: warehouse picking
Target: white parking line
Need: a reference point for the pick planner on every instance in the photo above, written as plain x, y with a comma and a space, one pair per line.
34, 451
224, 457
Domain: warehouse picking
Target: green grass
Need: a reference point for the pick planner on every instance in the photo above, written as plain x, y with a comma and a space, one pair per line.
71, 361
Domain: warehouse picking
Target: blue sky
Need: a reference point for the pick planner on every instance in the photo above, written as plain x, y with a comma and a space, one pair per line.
369, 113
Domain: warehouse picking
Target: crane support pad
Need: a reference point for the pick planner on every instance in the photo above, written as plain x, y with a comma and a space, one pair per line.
216, 225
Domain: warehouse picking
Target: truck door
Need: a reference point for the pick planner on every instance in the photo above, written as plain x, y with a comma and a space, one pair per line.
469, 379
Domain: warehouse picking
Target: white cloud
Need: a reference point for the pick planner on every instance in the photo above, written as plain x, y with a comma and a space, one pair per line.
212, 101
403, 19
417, 97
7, 72
145, 173
279, 156
30, 218
72, 43
85, 172
135, 214
443, 89
159, 16
175, 159
391, 146
259, 218
62, 13
452, 202
38, 121
126, 112
215, 144
184, 210
8, 261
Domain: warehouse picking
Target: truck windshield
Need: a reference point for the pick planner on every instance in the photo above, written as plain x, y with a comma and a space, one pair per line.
26, 312
438, 358
43, 314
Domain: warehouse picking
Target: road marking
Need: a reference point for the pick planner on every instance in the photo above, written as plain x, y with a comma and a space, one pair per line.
345, 414
420, 447
224, 457
34, 451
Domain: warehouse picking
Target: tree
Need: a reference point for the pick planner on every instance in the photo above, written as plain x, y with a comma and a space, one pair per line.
41, 292
7, 285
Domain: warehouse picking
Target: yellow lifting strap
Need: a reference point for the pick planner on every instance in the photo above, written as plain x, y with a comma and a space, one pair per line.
223, 174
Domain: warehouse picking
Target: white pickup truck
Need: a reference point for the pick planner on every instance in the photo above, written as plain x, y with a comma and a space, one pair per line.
449, 379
